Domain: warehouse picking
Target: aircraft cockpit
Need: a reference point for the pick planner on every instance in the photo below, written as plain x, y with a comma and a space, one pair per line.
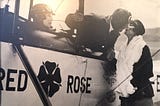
77, 33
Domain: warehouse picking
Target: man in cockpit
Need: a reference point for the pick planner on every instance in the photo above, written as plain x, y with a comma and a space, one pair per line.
39, 31
42, 17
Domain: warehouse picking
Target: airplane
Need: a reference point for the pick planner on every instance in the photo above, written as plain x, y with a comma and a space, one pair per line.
49, 69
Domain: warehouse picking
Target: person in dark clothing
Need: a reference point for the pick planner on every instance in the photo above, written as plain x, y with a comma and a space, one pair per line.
98, 34
134, 59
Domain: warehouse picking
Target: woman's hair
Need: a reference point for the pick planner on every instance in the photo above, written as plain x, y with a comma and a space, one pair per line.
120, 18
139, 27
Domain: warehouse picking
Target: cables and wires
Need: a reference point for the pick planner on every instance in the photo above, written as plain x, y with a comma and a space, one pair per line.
135, 71
85, 70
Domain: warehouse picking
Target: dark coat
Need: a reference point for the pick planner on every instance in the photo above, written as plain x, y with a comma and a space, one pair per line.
142, 71
93, 33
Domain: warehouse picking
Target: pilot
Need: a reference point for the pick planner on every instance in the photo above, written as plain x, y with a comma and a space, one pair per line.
39, 26
39, 31
42, 17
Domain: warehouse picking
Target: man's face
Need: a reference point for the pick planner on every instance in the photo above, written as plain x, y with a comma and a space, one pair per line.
48, 20
124, 27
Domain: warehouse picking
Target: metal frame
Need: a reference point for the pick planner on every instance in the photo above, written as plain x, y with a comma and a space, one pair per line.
43, 96
34, 79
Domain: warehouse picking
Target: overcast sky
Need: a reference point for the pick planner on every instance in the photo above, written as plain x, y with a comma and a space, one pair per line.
148, 11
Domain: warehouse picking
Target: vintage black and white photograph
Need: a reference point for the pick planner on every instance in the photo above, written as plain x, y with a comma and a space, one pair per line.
79, 53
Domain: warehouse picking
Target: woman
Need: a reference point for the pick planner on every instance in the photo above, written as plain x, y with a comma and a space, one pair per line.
134, 67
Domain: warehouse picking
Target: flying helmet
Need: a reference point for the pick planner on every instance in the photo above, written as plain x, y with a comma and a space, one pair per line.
39, 11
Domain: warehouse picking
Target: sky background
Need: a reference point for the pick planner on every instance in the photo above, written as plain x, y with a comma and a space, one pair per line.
148, 11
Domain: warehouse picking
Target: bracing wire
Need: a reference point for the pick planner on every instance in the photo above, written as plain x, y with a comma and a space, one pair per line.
85, 70
8, 1
135, 71
59, 5
112, 90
